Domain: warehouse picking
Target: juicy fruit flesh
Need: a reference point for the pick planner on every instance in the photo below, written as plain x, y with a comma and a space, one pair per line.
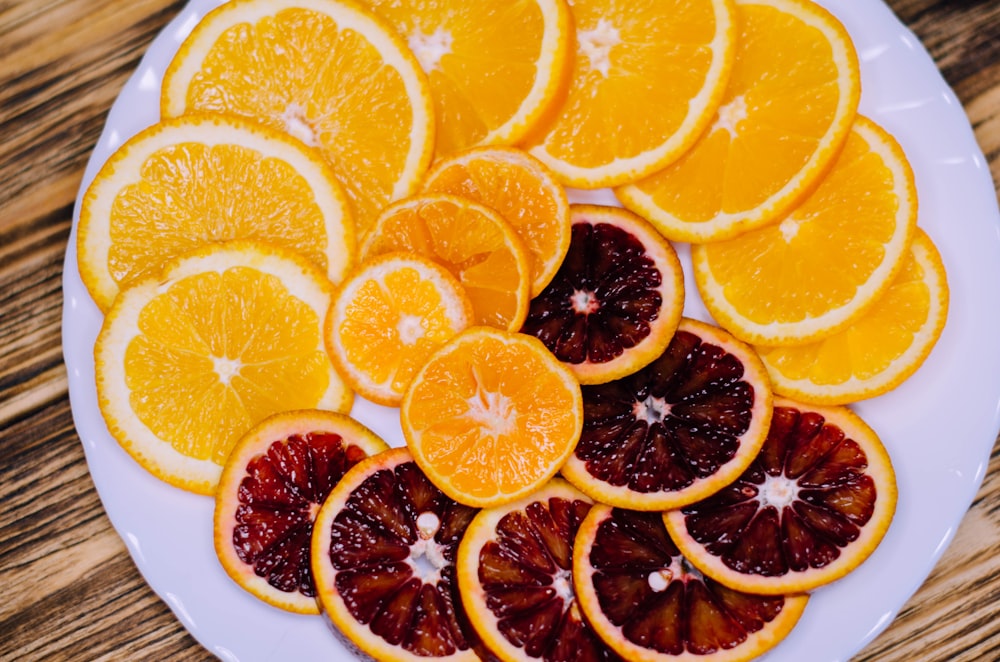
526, 574
647, 588
805, 498
673, 422
393, 548
278, 500
602, 300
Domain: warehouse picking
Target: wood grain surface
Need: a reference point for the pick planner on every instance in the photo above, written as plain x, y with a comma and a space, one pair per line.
69, 588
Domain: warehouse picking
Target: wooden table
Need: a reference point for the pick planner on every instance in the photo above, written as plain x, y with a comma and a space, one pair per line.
70, 590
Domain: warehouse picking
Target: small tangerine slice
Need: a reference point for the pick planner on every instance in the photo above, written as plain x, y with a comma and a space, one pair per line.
471, 241
388, 317
814, 504
274, 481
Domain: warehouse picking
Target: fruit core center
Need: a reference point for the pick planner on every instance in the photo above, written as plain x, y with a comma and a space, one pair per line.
596, 45
778, 491
430, 48
410, 329
652, 410
789, 228
226, 368
584, 302
426, 555
562, 583
493, 410
731, 114
298, 125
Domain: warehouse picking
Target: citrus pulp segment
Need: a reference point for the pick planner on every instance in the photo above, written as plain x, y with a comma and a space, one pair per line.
188, 360
791, 98
383, 555
185, 182
491, 416
494, 68
878, 351
328, 72
671, 57
821, 266
679, 429
515, 578
814, 504
274, 481
522, 190
388, 317
647, 601
616, 299
473, 242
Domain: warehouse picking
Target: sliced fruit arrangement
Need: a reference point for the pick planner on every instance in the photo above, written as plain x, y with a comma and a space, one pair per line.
383, 555
189, 181
647, 601
329, 73
471, 241
515, 578
189, 360
672, 57
825, 263
491, 416
274, 482
677, 430
467, 48
788, 106
388, 317
812, 506
878, 351
615, 301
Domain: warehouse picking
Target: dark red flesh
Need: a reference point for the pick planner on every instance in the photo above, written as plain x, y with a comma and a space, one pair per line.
692, 614
612, 265
708, 407
277, 500
517, 571
370, 543
835, 500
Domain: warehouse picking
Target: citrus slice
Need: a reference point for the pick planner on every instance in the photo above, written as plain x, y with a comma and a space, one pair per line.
515, 578
193, 180
494, 68
383, 555
647, 601
787, 109
679, 429
275, 479
491, 416
878, 351
329, 73
829, 260
672, 57
471, 241
188, 360
616, 300
813, 506
522, 190
388, 317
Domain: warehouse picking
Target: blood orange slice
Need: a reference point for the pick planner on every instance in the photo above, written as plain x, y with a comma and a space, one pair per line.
273, 483
615, 301
679, 429
814, 504
649, 603
383, 554
515, 577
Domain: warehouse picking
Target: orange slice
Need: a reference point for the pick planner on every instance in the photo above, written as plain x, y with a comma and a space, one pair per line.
188, 360
827, 261
194, 180
813, 506
522, 190
669, 59
494, 68
325, 71
388, 317
878, 351
471, 241
491, 416
791, 98
275, 479
647, 601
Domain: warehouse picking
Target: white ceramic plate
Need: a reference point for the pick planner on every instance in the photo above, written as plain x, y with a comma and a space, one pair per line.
939, 426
